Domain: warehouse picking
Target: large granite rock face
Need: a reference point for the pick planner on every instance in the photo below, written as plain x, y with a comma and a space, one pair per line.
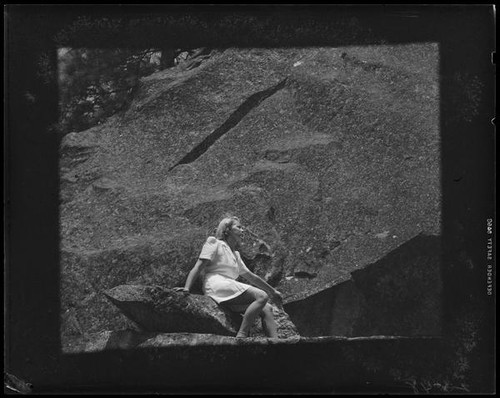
157, 309
328, 155
399, 295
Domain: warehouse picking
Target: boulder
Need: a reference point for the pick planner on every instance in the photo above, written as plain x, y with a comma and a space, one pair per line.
158, 309
399, 295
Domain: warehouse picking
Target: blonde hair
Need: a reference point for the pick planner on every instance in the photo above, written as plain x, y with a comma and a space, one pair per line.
225, 226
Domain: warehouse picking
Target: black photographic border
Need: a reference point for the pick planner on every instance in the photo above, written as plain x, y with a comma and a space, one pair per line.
32, 338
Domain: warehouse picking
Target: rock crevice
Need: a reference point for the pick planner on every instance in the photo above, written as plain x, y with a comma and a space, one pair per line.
250, 103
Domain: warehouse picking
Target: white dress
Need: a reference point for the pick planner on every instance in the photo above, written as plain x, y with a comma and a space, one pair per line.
225, 267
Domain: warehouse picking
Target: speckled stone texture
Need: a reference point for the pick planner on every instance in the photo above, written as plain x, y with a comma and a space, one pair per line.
162, 310
129, 339
333, 171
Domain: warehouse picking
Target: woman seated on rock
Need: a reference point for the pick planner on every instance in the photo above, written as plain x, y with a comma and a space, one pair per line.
221, 265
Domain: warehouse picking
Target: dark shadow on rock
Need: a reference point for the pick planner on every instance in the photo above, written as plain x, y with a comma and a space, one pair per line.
253, 101
401, 294
126, 339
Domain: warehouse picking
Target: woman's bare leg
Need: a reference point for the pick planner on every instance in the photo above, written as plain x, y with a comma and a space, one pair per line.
268, 322
257, 299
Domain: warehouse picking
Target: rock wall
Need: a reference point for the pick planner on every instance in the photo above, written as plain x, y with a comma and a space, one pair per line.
399, 295
330, 156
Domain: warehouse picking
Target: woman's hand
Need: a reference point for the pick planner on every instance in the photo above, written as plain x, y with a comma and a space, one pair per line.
181, 289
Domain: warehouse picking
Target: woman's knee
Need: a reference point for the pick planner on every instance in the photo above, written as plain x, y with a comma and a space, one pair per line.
267, 311
261, 297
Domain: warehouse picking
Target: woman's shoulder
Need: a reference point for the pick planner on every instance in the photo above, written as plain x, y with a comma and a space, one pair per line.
212, 240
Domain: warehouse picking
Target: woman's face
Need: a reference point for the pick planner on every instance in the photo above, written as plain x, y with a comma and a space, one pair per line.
236, 230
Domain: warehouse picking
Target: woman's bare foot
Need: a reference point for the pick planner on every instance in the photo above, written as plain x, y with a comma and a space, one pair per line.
242, 335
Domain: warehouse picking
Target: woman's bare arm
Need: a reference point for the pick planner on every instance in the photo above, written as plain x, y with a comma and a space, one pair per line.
257, 281
194, 273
